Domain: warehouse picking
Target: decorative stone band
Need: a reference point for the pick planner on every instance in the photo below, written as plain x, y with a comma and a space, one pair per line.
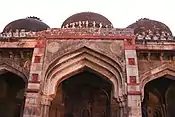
87, 24
88, 32
68, 32
134, 93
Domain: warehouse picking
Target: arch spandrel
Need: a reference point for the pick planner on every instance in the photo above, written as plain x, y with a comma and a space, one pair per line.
83, 49
109, 48
73, 63
164, 70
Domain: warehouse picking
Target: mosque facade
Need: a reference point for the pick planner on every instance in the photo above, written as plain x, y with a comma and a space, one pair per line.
87, 68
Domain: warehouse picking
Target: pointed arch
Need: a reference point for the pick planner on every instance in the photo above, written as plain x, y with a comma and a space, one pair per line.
14, 81
72, 63
164, 70
170, 100
15, 69
169, 89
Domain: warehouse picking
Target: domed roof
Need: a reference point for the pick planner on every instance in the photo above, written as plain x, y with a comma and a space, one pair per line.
28, 24
147, 25
86, 20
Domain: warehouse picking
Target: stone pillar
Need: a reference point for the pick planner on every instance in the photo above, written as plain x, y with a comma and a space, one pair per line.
133, 87
32, 106
134, 106
45, 103
122, 107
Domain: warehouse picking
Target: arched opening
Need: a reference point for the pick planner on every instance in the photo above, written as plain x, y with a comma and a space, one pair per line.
12, 97
85, 94
159, 97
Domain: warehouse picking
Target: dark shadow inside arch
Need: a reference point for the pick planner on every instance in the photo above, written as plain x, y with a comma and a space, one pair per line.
159, 98
12, 97
85, 94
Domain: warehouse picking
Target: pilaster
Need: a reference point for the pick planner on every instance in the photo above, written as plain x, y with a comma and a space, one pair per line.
32, 106
45, 104
36, 69
133, 89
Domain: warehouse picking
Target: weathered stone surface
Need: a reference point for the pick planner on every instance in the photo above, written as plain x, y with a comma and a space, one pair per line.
56, 55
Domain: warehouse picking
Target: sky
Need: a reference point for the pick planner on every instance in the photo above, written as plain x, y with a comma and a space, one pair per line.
120, 12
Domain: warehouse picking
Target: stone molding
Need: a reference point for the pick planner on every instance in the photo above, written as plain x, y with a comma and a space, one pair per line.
75, 62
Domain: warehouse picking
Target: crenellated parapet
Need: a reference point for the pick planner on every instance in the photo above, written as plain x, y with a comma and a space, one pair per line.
87, 24
102, 33
87, 32
87, 20
17, 34
154, 36
147, 30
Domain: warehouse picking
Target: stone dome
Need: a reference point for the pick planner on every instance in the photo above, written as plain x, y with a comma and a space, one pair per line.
151, 28
28, 24
87, 20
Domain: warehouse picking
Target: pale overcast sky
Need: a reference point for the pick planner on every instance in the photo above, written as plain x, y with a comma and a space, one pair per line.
120, 12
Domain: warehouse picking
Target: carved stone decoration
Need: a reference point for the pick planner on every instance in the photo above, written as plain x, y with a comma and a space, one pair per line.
101, 46
116, 47
27, 64
53, 47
